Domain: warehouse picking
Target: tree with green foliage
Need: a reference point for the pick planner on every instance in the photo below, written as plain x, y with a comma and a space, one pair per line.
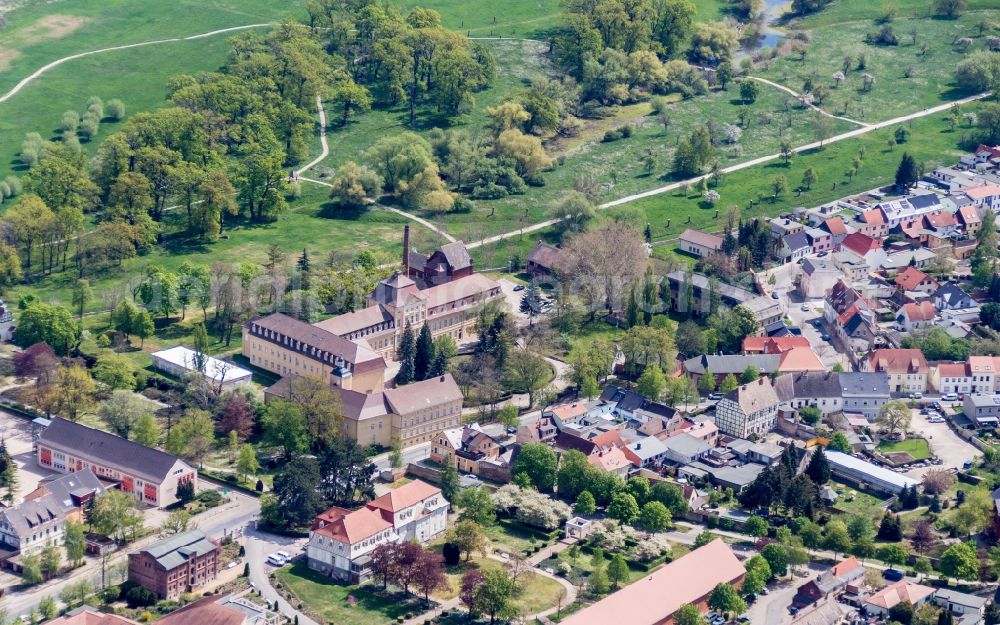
597, 582
449, 483
706, 383
624, 508
960, 561
836, 538
477, 505
756, 526
246, 461
689, 614
810, 414
907, 172
749, 90
508, 417
750, 374
82, 294
726, 599
146, 431
839, 442
729, 384
284, 426
75, 542
538, 462
818, 468
494, 595
777, 558
654, 517
526, 372
44, 323
618, 573
585, 504
652, 382
121, 412
407, 357
423, 356
469, 537
115, 372
31, 569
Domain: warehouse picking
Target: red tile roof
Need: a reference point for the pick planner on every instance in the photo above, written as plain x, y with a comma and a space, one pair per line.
953, 370
982, 191
898, 361
845, 566
873, 217
969, 215
405, 496
656, 597
924, 311
703, 239
940, 219
903, 590
773, 345
910, 278
860, 243
835, 225
350, 527
800, 359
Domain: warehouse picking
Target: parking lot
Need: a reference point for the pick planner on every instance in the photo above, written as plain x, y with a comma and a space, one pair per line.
16, 432
944, 443
793, 304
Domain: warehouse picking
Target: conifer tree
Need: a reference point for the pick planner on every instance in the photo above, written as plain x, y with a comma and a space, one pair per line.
407, 355
424, 355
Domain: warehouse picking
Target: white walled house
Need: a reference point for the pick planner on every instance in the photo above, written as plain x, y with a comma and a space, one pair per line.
30, 526
341, 541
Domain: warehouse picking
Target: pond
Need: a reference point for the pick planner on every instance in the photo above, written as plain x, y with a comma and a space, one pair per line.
769, 35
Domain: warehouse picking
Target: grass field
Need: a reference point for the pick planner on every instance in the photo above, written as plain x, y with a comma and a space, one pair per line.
331, 600
916, 447
304, 225
838, 32
538, 592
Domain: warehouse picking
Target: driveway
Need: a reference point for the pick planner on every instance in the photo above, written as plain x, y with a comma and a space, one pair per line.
258, 546
803, 319
944, 443
772, 608
16, 432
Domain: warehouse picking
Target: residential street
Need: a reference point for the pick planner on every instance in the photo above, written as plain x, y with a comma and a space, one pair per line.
258, 546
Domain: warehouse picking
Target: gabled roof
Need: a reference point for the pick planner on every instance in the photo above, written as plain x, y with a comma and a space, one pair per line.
360, 406
456, 254
773, 345
898, 361
207, 611
544, 255
864, 384
309, 336
953, 370
350, 527
952, 295
902, 590
924, 311
353, 321
969, 215
982, 191
732, 363
940, 219
800, 359
660, 594
911, 278
754, 396
873, 217
860, 243
686, 445
86, 615
28, 517
64, 488
107, 449
405, 496
835, 226
703, 239
984, 364
609, 460
421, 395
178, 549
795, 241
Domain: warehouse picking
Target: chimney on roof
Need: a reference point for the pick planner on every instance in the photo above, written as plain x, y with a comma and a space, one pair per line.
406, 250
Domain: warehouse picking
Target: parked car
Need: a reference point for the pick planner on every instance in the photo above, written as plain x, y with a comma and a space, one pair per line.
774, 295
805, 308
519, 287
825, 337
275, 560
822, 254
949, 397
917, 395
893, 575
817, 323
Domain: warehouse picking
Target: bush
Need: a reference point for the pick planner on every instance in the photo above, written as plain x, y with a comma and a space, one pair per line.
611, 135
626, 131
137, 596
210, 498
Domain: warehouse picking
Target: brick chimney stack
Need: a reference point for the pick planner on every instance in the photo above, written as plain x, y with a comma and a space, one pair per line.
406, 250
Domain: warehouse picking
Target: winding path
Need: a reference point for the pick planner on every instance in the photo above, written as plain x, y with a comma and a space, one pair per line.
819, 110
322, 139
857, 132
29, 79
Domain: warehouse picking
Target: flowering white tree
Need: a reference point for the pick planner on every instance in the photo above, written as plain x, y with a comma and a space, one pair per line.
733, 133
838, 77
869, 81
712, 197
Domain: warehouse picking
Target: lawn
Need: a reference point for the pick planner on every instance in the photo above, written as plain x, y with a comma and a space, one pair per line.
308, 224
917, 448
852, 501
330, 600
538, 592
512, 539
838, 32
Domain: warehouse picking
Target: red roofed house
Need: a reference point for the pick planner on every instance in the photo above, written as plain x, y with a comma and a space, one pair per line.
970, 219
872, 223
907, 368
984, 196
654, 599
837, 229
884, 600
914, 316
984, 370
845, 575
912, 279
800, 360
773, 345
952, 377
341, 541
698, 243
863, 248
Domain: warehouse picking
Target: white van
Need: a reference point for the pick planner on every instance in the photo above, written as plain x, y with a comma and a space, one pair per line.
275, 560
284, 555
949, 397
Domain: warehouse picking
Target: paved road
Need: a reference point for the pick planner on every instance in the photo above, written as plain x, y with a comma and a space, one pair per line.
857, 132
258, 546
37, 73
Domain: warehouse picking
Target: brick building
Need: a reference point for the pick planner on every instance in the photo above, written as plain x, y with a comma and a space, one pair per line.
180, 564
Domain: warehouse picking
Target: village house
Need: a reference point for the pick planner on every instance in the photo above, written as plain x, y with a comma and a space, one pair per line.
851, 316
698, 243
783, 226
914, 316
820, 240
907, 368
898, 261
954, 303
951, 377
909, 208
683, 449
795, 246
853, 268
837, 229
871, 222
773, 345
30, 526
892, 595
845, 575
820, 389
646, 452
863, 249
864, 393
149, 474
74, 491
913, 281
543, 260
969, 217
818, 276
341, 541
467, 448
984, 197
750, 409
984, 371
982, 409
180, 564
